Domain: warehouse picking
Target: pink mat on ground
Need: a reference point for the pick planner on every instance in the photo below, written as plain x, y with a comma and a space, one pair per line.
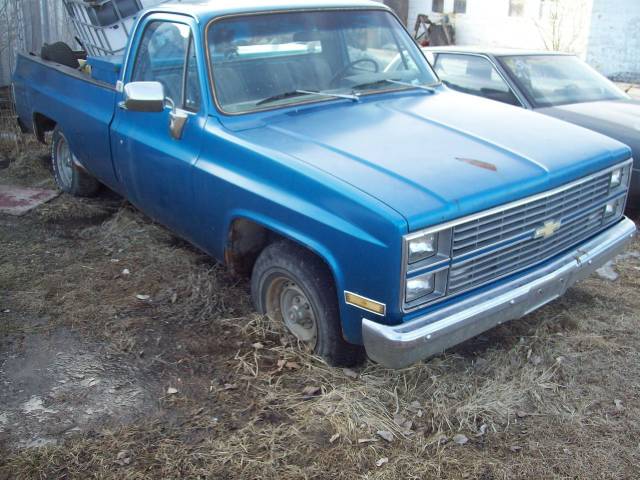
16, 200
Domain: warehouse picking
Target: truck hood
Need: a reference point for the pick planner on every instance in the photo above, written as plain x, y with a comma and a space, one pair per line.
437, 157
619, 119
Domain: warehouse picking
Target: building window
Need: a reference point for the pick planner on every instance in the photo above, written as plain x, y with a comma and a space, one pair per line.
460, 6
546, 7
516, 8
437, 6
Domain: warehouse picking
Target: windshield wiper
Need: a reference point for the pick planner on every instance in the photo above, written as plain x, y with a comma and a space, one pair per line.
298, 93
427, 88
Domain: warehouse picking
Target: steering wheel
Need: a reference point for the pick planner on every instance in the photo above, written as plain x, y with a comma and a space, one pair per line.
342, 72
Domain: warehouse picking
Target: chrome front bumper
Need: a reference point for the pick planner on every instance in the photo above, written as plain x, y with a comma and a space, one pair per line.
398, 346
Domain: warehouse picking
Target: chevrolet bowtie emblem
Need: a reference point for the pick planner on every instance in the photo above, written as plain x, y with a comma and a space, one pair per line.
548, 229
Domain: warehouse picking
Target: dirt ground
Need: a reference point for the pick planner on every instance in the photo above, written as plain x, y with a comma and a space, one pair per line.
125, 353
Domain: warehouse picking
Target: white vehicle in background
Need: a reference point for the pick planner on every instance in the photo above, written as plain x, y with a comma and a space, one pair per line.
103, 26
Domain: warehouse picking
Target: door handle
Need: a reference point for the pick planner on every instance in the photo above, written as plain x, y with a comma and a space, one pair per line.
178, 119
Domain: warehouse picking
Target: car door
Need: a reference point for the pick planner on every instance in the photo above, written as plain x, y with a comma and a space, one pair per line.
154, 163
475, 75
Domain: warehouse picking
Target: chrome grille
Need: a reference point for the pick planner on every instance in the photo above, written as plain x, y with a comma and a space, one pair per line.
501, 243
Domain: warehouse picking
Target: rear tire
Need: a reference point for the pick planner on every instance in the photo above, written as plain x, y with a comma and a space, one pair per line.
291, 285
68, 176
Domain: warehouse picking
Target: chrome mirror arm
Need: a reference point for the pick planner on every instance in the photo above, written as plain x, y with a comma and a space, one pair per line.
170, 103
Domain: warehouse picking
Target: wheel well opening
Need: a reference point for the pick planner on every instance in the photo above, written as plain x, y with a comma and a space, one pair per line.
41, 125
246, 239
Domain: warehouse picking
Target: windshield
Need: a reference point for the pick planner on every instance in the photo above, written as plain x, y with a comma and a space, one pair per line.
551, 80
271, 60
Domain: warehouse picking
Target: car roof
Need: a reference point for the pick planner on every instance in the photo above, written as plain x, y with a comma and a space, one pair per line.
204, 10
489, 50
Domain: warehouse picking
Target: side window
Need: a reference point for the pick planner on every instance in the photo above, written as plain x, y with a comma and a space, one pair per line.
192, 94
474, 75
161, 57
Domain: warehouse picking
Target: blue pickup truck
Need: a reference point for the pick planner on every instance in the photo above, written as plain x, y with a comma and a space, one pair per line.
311, 146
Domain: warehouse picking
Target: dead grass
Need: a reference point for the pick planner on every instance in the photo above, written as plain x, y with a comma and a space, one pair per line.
554, 395
25, 160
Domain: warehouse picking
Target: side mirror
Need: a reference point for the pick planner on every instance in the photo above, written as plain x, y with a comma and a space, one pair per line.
143, 97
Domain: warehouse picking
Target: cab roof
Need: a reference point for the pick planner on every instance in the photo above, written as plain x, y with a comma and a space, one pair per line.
203, 10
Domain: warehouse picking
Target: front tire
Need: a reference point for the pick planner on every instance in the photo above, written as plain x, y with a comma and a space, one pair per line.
68, 176
291, 285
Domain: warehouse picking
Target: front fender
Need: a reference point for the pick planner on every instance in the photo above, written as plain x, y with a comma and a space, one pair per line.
358, 237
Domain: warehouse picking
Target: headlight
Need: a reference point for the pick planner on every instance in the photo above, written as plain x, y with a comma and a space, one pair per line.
423, 246
425, 270
616, 178
419, 286
612, 207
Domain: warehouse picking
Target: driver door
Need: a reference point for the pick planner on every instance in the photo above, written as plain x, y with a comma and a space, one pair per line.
154, 161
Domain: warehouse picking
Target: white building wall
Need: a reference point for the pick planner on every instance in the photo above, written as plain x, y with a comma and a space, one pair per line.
487, 23
614, 39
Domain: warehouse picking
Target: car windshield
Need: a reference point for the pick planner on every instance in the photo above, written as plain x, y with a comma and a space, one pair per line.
551, 80
269, 60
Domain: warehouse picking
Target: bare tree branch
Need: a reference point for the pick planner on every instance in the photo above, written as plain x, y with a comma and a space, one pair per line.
562, 23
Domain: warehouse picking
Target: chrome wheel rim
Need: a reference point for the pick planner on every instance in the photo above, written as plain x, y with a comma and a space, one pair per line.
64, 164
287, 302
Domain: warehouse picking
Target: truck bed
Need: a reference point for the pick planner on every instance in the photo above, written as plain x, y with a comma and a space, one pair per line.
83, 106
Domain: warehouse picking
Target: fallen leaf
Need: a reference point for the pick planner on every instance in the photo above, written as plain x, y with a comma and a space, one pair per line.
310, 391
367, 440
536, 359
515, 448
385, 435
292, 365
482, 430
172, 391
230, 386
90, 382
143, 297
334, 438
382, 461
521, 414
460, 439
123, 458
349, 373
399, 419
257, 345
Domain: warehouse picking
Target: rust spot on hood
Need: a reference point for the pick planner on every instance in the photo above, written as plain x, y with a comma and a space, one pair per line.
479, 163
